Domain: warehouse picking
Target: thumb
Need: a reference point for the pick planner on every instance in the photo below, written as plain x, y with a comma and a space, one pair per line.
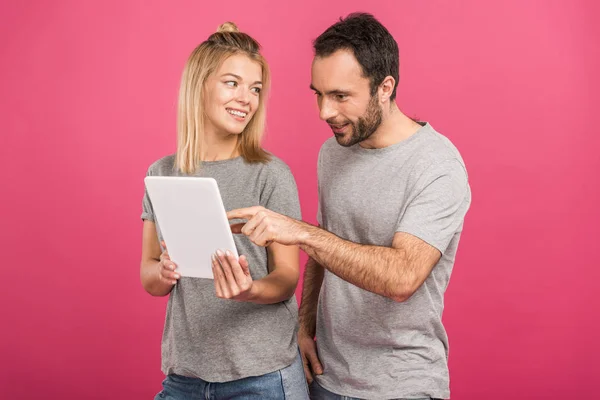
237, 228
164, 245
315, 364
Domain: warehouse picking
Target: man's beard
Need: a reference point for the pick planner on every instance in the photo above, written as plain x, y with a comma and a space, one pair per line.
364, 127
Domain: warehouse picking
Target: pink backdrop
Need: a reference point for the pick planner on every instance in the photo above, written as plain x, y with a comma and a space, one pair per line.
88, 94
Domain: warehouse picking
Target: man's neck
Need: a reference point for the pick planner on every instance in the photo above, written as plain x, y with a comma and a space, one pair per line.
394, 128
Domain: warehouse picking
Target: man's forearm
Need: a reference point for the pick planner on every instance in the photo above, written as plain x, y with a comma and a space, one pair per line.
382, 270
394, 272
307, 315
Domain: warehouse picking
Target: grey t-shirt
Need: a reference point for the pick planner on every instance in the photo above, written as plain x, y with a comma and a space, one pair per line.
371, 346
221, 340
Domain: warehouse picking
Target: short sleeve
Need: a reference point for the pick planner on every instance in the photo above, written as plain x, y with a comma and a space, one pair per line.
147, 210
280, 193
438, 209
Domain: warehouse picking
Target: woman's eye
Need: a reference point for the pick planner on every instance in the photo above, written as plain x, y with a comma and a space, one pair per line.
256, 90
231, 83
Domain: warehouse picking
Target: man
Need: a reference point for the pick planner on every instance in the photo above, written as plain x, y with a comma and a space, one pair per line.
393, 194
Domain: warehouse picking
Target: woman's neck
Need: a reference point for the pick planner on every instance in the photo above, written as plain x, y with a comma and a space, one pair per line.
219, 147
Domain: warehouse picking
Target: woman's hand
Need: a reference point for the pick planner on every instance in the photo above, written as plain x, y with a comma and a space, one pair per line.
232, 277
166, 268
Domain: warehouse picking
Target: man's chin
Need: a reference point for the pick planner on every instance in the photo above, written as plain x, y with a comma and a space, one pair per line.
345, 140
342, 141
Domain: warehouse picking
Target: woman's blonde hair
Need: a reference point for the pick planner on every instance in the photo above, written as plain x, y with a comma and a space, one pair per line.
204, 61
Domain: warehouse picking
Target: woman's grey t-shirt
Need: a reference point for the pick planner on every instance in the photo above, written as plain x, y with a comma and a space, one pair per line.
223, 340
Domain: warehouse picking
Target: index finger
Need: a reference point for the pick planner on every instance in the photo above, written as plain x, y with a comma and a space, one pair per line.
243, 213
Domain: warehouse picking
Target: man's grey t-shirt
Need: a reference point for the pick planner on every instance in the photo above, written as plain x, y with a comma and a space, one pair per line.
221, 340
371, 346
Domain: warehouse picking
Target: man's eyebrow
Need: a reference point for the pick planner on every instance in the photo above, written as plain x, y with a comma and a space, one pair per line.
334, 92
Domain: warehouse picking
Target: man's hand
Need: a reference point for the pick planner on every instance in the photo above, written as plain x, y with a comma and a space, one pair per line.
265, 226
310, 360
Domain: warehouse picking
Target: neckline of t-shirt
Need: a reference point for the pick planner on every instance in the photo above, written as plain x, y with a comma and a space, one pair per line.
403, 143
220, 162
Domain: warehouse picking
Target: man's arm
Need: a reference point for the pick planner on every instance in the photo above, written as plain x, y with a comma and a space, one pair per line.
313, 278
307, 315
426, 228
395, 272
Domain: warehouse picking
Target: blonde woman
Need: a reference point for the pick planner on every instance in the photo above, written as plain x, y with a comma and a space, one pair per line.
233, 337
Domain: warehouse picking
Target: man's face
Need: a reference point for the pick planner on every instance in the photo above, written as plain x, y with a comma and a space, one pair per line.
344, 98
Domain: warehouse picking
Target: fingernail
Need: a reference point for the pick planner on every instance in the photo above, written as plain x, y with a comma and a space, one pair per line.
228, 253
219, 253
177, 276
212, 257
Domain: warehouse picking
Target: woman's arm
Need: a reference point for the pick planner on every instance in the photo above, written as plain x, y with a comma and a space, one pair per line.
233, 280
157, 271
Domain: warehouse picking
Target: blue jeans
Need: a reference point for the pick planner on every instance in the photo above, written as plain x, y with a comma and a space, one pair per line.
288, 383
318, 392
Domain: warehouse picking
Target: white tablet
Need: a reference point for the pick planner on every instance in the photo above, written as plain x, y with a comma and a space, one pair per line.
192, 220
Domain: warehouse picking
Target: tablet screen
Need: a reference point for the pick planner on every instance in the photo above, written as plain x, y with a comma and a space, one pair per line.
192, 219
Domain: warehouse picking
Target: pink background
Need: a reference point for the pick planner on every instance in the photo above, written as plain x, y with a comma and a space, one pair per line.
88, 95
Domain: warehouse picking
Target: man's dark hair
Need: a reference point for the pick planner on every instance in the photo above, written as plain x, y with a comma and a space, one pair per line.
373, 46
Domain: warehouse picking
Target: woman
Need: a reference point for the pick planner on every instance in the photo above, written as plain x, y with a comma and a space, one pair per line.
235, 336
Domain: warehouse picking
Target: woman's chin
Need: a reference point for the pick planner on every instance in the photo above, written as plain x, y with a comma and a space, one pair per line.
232, 131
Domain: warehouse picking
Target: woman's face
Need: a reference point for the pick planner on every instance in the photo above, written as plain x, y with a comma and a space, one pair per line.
231, 95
